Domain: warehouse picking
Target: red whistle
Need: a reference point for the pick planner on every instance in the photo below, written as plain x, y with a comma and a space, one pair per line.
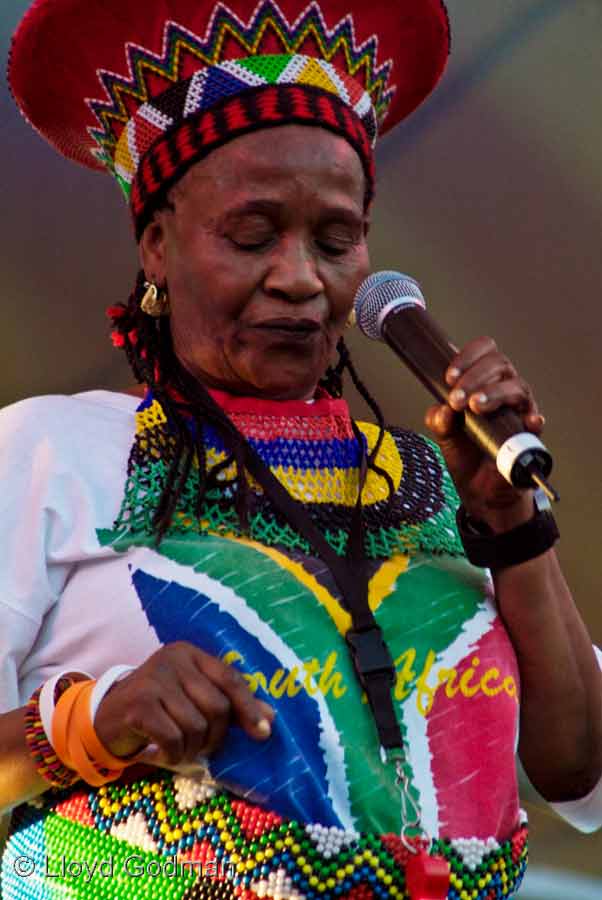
427, 877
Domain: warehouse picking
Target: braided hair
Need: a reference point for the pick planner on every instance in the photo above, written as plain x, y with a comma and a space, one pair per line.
147, 342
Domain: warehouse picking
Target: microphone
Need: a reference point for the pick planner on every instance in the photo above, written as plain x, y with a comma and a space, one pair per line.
390, 307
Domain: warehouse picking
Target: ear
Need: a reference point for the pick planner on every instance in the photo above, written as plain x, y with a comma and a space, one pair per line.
152, 250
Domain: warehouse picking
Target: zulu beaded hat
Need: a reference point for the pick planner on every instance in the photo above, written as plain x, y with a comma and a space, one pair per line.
146, 89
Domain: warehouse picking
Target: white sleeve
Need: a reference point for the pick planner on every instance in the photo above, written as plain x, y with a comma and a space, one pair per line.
584, 814
33, 529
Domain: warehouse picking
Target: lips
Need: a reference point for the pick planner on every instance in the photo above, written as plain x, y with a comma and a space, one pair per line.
289, 325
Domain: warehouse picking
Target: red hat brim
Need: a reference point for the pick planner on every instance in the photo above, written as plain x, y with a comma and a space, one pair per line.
61, 46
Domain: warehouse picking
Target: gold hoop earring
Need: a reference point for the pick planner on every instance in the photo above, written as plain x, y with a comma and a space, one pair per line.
155, 302
351, 320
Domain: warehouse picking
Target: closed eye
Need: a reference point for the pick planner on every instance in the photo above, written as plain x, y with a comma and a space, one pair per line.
252, 246
332, 249
337, 244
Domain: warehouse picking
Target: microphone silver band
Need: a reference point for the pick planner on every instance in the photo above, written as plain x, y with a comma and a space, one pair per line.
512, 449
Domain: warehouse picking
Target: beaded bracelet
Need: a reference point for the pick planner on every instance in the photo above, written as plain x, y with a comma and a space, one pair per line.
48, 764
80, 753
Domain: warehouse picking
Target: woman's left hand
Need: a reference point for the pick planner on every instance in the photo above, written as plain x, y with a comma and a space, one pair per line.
483, 379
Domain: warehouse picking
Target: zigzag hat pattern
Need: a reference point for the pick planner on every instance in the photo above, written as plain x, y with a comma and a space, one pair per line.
147, 95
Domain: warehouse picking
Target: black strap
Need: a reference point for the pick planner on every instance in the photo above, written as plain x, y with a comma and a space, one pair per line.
510, 548
371, 657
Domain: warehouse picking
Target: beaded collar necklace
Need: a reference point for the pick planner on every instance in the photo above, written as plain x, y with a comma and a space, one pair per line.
313, 452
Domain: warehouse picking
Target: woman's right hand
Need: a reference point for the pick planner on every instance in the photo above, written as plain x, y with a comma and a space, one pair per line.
180, 702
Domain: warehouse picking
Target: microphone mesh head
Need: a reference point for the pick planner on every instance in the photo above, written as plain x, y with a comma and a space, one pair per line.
379, 294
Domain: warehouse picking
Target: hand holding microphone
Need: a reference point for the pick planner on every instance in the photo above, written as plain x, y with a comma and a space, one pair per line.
390, 307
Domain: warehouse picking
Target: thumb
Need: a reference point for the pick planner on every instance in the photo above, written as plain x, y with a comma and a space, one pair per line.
442, 421
151, 755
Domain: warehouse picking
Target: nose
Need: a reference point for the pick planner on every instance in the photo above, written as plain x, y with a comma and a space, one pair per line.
293, 274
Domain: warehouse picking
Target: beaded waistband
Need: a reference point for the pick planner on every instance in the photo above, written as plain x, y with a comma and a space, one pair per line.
173, 837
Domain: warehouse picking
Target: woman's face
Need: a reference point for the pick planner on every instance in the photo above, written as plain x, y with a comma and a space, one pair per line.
262, 250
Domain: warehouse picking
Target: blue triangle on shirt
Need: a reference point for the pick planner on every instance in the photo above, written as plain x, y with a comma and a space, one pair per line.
218, 84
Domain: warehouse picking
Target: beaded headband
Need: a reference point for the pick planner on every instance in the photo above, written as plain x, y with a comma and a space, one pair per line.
146, 96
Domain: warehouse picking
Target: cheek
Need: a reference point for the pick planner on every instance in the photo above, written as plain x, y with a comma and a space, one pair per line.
205, 325
346, 284
201, 332
204, 301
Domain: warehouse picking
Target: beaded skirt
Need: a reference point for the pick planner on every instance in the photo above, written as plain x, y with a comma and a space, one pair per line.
170, 836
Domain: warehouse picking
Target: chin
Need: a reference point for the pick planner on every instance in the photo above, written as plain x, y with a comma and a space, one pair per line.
287, 391
300, 387
277, 368
286, 379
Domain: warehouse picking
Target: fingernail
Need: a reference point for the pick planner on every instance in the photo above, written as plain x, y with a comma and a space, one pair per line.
150, 752
457, 396
263, 728
453, 374
479, 399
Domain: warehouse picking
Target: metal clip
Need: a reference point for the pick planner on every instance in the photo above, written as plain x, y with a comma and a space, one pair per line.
411, 819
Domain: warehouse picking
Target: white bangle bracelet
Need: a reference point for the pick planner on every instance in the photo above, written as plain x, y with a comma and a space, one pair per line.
104, 684
46, 700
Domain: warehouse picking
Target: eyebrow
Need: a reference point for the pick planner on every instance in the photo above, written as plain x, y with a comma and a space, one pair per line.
273, 208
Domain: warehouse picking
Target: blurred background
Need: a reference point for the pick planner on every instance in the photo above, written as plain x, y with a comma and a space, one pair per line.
491, 196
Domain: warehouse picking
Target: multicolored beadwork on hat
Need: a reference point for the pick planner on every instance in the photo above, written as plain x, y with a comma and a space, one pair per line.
215, 79
179, 838
223, 99
148, 95
261, 107
212, 86
313, 451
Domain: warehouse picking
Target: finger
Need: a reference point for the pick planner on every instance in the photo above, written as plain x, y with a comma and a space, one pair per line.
155, 724
535, 422
198, 706
169, 671
512, 392
491, 368
468, 356
151, 755
441, 420
214, 705
252, 714
201, 718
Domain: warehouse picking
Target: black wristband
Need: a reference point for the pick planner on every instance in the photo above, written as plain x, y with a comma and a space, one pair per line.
493, 551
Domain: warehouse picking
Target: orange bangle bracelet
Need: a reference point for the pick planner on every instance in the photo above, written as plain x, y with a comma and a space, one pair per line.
61, 721
83, 762
71, 721
90, 740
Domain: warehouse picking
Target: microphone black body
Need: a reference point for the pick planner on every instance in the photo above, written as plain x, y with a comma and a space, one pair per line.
390, 307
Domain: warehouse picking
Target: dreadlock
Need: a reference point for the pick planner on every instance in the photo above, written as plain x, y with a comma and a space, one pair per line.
148, 345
